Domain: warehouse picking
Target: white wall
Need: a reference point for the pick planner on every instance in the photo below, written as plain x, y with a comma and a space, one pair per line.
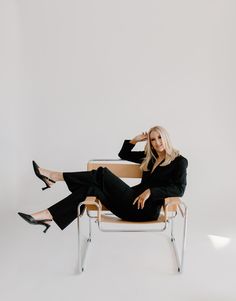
78, 77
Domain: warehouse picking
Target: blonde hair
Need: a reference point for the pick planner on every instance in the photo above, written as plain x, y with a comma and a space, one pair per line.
170, 152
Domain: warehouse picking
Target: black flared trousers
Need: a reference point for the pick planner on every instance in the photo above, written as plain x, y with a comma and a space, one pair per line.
114, 194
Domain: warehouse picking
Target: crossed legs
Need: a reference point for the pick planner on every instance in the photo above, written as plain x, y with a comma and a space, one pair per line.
55, 176
114, 194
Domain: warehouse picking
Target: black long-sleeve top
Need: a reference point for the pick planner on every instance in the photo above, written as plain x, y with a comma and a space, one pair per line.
164, 181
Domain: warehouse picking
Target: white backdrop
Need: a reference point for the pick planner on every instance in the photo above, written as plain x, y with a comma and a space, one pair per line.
78, 77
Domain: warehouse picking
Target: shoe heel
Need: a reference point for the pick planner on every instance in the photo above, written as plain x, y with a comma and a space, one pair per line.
41, 177
47, 227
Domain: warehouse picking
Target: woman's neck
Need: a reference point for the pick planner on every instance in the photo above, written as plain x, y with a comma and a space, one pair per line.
161, 155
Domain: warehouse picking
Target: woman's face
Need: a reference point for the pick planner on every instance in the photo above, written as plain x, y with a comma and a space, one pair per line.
156, 141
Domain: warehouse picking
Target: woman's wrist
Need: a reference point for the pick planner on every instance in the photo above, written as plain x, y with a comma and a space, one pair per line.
139, 138
133, 141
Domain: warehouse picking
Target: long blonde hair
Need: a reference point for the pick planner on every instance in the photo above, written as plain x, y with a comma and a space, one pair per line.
170, 152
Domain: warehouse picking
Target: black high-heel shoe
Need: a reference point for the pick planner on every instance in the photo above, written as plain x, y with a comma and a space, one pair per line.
28, 218
41, 177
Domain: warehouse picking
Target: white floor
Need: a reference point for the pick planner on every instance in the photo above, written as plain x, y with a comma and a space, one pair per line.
119, 266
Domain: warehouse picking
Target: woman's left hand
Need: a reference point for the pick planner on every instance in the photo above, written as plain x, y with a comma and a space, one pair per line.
141, 199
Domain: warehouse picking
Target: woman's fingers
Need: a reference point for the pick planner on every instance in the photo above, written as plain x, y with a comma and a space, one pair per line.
135, 200
141, 137
142, 204
140, 201
144, 136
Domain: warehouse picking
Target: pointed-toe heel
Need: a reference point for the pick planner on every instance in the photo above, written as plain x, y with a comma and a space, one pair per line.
47, 227
29, 219
41, 177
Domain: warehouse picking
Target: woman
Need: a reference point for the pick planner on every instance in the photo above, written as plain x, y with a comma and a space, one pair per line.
164, 175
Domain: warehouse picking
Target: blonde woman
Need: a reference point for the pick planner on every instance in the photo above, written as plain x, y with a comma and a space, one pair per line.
163, 175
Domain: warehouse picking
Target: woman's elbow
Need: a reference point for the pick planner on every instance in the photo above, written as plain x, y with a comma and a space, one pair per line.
121, 156
182, 190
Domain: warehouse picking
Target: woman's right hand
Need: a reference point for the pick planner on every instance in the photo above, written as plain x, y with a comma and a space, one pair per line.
139, 138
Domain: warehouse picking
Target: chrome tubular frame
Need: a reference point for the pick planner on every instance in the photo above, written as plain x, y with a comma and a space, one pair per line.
179, 261
83, 249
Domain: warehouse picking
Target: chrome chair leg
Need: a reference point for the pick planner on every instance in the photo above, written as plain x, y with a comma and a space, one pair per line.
82, 247
184, 237
180, 261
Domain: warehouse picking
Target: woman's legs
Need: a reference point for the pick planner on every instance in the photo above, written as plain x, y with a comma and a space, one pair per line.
101, 178
65, 211
115, 194
53, 175
42, 215
101, 183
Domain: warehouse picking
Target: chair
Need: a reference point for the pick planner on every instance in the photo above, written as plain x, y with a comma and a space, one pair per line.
172, 206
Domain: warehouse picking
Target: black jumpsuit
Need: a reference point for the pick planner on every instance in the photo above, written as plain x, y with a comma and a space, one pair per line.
116, 195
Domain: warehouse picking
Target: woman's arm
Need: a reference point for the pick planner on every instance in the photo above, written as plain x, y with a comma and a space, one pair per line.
126, 152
